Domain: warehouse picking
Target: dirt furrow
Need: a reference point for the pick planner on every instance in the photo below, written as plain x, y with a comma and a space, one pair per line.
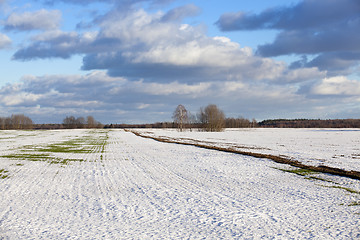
278, 159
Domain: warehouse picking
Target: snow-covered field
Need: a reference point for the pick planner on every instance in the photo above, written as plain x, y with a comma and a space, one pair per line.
338, 148
111, 184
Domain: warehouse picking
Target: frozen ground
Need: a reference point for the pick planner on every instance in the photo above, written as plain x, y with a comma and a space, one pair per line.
86, 184
338, 148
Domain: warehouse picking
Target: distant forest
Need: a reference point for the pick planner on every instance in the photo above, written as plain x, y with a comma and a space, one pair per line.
23, 122
310, 123
245, 123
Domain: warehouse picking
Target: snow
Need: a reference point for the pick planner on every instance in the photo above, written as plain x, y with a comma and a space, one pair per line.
136, 188
338, 148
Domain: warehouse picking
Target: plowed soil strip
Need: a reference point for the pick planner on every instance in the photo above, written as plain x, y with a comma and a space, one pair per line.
278, 159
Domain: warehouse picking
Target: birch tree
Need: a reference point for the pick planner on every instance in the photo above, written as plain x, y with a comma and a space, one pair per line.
181, 117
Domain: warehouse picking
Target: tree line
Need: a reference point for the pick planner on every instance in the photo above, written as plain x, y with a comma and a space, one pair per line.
20, 121
16, 121
209, 118
310, 123
80, 122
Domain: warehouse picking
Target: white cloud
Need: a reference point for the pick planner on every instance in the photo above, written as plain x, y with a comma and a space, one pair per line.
166, 89
298, 75
181, 12
39, 20
19, 99
55, 35
149, 47
339, 85
233, 86
142, 45
12, 95
143, 106
5, 41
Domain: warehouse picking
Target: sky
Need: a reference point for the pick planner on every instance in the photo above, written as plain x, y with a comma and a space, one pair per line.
134, 61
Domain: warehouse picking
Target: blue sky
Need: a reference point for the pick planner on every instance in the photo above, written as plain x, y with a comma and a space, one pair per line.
135, 61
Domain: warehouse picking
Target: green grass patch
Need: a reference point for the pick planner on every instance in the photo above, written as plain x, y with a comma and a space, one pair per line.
3, 174
28, 156
355, 203
83, 144
66, 161
93, 141
65, 148
303, 172
318, 178
41, 157
297, 171
344, 188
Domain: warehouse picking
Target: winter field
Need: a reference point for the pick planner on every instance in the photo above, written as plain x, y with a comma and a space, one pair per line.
338, 148
112, 184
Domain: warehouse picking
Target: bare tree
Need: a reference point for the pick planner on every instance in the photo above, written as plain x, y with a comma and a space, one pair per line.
90, 121
80, 122
26, 123
2, 123
16, 121
69, 122
253, 123
181, 117
8, 123
212, 118
20, 121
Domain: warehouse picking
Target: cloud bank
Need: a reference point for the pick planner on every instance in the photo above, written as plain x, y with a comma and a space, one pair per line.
117, 99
